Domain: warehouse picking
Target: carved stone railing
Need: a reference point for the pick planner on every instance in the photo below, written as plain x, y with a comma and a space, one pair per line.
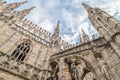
20, 69
82, 47
36, 37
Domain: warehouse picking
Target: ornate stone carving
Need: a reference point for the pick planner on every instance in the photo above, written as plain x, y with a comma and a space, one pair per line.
104, 69
74, 72
81, 63
34, 77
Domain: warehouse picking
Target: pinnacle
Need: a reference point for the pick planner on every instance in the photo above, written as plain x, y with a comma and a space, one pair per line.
58, 23
87, 7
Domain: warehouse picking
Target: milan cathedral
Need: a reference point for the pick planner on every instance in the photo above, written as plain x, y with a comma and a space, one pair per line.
28, 52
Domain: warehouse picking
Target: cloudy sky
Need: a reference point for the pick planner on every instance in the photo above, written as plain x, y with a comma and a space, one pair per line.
70, 13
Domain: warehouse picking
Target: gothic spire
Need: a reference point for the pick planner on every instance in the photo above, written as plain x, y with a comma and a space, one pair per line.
55, 39
80, 38
23, 13
85, 37
12, 6
55, 36
57, 29
87, 7
56, 32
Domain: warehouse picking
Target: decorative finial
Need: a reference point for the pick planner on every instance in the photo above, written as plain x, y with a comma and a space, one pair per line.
58, 22
85, 37
87, 7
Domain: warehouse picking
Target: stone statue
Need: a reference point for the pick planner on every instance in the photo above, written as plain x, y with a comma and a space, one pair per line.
75, 73
104, 69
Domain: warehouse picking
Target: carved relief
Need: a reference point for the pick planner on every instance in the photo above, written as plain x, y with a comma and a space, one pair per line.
104, 69
74, 72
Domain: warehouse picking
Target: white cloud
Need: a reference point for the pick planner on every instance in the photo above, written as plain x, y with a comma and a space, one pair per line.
84, 26
49, 4
41, 17
88, 1
70, 38
68, 17
75, 1
111, 6
47, 25
73, 20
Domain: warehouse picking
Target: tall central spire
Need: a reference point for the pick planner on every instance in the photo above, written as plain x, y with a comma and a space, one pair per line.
55, 36
57, 29
85, 37
87, 7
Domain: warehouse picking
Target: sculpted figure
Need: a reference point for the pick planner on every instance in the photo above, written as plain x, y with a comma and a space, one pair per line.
75, 73
104, 69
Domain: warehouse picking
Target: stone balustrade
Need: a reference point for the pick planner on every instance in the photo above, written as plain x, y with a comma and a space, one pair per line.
82, 47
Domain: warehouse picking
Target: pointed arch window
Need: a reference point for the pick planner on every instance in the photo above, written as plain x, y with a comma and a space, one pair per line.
21, 51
